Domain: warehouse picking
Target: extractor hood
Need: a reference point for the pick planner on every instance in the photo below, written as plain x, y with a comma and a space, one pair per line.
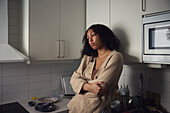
10, 54
7, 52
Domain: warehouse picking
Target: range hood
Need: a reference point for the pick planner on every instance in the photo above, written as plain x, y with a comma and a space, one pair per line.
7, 52
10, 54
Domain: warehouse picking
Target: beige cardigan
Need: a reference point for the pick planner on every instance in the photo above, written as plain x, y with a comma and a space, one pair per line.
109, 72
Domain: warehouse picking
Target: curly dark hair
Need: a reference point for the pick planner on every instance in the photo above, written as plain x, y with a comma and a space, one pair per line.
106, 36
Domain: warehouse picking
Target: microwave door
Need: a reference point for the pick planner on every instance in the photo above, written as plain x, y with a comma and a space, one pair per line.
157, 38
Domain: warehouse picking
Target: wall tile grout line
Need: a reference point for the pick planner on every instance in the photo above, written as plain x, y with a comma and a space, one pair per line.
28, 81
51, 93
1, 82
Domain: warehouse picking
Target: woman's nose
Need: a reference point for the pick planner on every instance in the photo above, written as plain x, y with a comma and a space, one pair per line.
90, 39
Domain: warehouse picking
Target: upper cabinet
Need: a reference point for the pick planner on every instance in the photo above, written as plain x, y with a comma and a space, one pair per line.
153, 6
97, 12
52, 29
126, 24
72, 27
43, 29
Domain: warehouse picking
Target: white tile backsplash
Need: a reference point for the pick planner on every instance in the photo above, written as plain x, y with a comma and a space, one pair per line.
0, 76
39, 85
55, 76
0, 83
11, 72
121, 79
40, 93
14, 30
39, 70
20, 81
158, 86
13, 21
15, 80
40, 64
1, 94
15, 97
14, 65
56, 84
166, 105
14, 13
13, 4
165, 97
19, 88
39, 77
12, 39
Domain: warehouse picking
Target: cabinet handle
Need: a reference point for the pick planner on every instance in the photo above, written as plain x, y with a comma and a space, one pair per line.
62, 48
143, 5
57, 48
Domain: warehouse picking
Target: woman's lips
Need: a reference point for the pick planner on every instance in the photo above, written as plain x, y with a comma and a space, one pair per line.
92, 44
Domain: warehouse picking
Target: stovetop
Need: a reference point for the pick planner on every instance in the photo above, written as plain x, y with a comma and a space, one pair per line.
14, 107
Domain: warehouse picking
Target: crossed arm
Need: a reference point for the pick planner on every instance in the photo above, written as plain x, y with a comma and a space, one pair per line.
107, 78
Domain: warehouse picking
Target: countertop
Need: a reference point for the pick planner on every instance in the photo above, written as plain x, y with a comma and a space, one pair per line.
61, 106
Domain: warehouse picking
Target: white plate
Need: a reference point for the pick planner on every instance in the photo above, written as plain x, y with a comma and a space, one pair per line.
48, 99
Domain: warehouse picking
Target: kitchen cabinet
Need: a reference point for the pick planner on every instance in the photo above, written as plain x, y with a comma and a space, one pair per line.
123, 17
43, 29
72, 27
52, 29
153, 6
97, 12
126, 24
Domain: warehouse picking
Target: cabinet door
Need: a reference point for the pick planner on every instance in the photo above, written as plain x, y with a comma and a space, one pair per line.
72, 27
97, 11
153, 6
44, 29
126, 24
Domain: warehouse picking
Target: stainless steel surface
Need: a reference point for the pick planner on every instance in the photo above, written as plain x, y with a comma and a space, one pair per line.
160, 59
147, 50
156, 44
150, 18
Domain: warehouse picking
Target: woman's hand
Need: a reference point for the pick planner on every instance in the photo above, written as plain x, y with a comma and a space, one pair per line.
98, 88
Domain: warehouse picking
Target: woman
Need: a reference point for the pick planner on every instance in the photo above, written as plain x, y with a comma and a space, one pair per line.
96, 79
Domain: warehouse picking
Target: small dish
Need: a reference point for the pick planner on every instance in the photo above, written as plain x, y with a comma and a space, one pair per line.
48, 99
31, 103
45, 107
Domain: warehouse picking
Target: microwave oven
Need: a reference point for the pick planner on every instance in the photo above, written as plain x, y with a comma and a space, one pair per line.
156, 38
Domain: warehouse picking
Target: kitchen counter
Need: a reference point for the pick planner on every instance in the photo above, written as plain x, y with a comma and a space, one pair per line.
61, 106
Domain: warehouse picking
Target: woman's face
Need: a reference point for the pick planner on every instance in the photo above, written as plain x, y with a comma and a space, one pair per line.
94, 40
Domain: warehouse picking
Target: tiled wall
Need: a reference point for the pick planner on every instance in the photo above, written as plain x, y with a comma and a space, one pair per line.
13, 23
130, 77
0, 84
21, 81
155, 80
158, 80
